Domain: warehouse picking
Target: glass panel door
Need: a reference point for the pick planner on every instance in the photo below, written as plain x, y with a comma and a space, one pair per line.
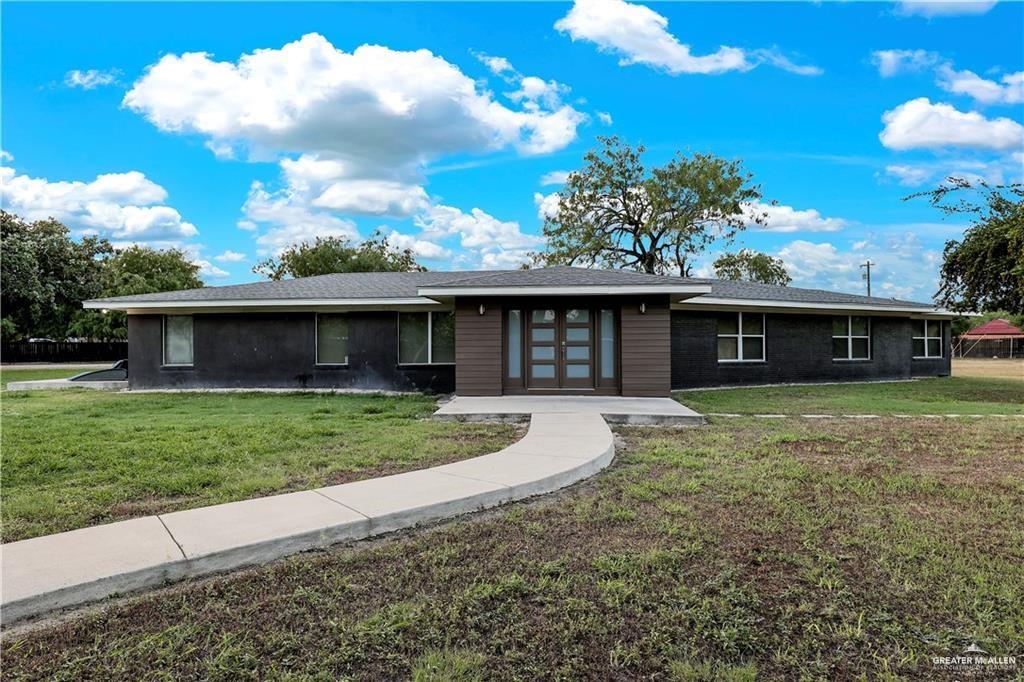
577, 349
542, 349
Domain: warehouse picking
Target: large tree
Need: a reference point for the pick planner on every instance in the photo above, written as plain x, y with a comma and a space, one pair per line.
616, 212
45, 275
752, 266
985, 269
335, 254
129, 272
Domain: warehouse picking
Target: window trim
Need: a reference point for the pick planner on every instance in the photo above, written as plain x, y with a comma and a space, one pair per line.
941, 337
316, 343
430, 339
739, 336
850, 336
163, 343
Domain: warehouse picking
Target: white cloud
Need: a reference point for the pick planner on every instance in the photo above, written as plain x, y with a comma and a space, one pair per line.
421, 248
903, 267
229, 256
943, 8
920, 124
289, 220
782, 218
1010, 89
6, 156
208, 269
90, 78
910, 176
640, 35
555, 177
120, 206
895, 62
547, 204
497, 65
375, 108
604, 117
488, 242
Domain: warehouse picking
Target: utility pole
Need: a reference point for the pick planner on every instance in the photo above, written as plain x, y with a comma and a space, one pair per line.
867, 274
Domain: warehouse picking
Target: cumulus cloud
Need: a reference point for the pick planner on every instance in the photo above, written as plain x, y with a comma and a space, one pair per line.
120, 206
489, 241
90, 78
288, 220
499, 66
1008, 90
421, 248
942, 8
604, 117
895, 62
555, 177
547, 205
910, 176
782, 218
229, 256
919, 123
375, 108
641, 36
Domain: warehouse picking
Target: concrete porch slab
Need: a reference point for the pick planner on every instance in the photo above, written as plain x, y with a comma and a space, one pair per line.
615, 409
60, 384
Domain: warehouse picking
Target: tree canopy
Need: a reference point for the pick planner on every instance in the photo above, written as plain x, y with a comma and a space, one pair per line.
45, 275
616, 212
131, 271
335, 254
752, 266
984, 270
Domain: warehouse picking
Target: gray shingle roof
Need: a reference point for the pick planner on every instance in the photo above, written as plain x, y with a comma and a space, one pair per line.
405, 285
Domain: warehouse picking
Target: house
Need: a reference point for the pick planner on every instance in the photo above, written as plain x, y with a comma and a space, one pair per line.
558, 330
996, 338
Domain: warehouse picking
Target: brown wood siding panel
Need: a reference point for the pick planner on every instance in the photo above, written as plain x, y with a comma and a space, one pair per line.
477, 347
646, 347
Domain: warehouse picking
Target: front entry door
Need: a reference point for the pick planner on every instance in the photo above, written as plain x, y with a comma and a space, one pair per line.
560, 349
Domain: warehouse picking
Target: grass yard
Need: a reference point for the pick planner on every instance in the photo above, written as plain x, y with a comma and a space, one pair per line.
949, 395
989, 368
78, 458
34, 374
839, 549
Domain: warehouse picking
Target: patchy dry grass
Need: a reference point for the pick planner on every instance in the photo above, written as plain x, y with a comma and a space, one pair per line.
948, 395
79, 458
989, 368
829, 550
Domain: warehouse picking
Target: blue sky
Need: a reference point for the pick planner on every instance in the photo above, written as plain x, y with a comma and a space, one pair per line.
231, 130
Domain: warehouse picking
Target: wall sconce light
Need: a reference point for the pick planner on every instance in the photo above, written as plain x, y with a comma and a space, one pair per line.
643, 308
482, 309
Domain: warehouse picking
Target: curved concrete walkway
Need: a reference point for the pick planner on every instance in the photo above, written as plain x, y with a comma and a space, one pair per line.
69, 569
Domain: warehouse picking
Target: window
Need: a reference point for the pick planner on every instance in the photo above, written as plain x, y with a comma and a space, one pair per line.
331, 340
928, 339
607, 344
515, 344
851, 338
178, 340
741, 338
426, 338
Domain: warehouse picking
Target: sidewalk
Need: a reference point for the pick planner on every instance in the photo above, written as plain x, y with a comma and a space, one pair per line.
73, 568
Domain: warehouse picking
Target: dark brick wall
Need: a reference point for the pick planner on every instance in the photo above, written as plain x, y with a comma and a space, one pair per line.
798, 349
277, 350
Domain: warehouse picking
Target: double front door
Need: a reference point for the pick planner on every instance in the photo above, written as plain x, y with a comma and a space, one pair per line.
560, 348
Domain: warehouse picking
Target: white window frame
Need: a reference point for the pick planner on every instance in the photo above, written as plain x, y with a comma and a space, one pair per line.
739, 336
850, 336
926, 338
430, 339
163, 342
316, 344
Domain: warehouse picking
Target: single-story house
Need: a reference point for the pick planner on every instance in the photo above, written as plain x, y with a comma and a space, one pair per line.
558, 330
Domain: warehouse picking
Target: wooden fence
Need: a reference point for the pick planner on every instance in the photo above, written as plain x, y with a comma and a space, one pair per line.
63, 351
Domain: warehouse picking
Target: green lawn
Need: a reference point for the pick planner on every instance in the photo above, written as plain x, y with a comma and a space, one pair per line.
8, 375
76, 458
840, 549
950, 395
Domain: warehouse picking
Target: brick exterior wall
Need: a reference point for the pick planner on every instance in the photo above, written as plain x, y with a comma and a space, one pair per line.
798, 349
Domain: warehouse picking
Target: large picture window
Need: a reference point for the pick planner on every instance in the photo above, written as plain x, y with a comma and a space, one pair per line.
851, 338
331, 339
741, 337
178, 340
928, 339
426, 338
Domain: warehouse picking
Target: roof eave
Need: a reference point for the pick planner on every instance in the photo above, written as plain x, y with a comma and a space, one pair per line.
567, 290
705, 302
282, 304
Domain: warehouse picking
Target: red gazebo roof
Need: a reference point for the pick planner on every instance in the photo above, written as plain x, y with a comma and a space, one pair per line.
995, 328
